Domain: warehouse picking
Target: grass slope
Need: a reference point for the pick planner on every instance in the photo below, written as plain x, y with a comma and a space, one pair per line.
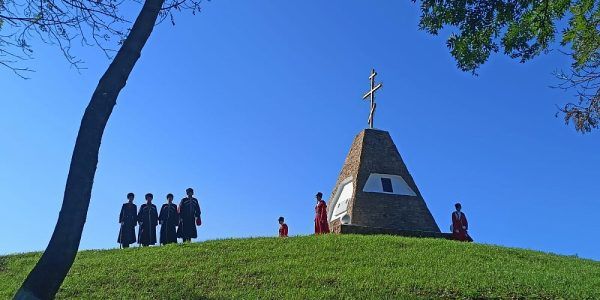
325, 267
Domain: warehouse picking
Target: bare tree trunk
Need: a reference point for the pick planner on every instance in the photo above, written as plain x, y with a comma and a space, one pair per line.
48, 274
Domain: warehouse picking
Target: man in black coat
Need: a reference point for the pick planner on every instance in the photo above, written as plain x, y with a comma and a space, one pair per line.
127, 219
189, 217
168, 219
148, 219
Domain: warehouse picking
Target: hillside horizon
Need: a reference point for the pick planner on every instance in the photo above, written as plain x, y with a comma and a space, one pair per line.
318, 267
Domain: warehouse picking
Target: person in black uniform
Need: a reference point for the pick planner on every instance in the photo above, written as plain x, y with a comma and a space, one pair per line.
148, 219
168, 219
127, 219
189, 217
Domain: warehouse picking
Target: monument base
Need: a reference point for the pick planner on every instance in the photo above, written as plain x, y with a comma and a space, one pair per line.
357, 229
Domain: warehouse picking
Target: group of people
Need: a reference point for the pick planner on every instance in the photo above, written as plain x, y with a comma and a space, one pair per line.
459, 227
181, 221
321, 223
176, 221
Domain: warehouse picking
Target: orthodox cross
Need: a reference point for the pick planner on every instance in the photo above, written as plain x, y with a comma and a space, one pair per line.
371, 95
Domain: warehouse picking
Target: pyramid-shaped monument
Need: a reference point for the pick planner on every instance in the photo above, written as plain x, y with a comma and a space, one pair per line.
375, 193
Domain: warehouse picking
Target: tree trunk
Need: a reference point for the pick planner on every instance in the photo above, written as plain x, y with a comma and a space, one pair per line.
48, 274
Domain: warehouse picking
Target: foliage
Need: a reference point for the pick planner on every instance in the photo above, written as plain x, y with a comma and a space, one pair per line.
524, 29
319, 267
66, 23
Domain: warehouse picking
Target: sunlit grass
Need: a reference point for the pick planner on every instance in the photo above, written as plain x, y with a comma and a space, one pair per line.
325, 267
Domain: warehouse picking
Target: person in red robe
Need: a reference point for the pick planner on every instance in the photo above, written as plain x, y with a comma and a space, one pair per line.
460, 225
321, 223
283, 228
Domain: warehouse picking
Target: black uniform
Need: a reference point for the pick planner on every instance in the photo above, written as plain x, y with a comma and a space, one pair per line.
189, 210
128, 219
169, 218
148, 219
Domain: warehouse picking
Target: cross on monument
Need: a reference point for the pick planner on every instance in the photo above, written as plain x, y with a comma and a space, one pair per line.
371, 95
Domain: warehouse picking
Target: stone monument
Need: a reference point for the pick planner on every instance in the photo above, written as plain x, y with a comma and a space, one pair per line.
375, 193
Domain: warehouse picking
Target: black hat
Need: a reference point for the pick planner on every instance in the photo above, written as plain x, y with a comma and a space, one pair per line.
189, 190
280, 219
319, 194
149, 195
457, 205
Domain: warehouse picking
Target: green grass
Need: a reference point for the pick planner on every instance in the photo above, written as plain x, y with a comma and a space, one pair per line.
322, 267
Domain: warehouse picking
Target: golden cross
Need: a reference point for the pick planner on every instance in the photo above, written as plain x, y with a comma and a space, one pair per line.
371, 94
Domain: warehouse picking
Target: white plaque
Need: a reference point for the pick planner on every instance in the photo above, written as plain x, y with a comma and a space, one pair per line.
341, 199
399, 186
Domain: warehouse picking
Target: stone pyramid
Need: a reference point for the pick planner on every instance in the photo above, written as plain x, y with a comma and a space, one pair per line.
375, 193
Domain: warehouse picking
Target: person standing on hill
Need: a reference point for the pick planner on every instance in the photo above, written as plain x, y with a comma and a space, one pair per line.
148, 219
321, 224
460, 225
283, 228
189, 217
168, 219
127, 219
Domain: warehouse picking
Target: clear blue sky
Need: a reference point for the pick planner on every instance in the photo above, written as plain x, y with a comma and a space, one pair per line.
255, 105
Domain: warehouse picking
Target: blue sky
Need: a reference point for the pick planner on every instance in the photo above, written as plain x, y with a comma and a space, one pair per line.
255, 105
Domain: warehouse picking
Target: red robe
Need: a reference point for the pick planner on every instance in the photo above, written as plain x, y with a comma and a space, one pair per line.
283, 230
321, 224
460, 227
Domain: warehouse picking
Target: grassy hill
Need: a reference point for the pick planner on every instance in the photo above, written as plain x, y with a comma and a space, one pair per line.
326, 267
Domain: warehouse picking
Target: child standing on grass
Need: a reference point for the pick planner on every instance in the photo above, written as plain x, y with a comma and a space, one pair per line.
321, 223
168, 219
189, 217
148, 220
127, 219
283, 228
